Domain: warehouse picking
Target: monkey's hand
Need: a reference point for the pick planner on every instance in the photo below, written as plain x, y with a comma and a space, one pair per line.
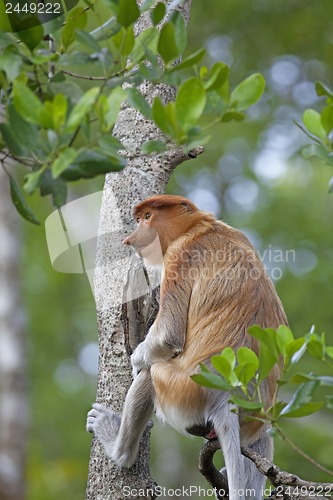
104, 423
139, 359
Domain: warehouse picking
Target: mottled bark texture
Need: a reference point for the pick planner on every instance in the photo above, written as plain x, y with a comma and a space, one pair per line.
125, 302
13, 374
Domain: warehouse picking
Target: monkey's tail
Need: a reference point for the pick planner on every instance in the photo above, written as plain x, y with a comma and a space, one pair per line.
255, 481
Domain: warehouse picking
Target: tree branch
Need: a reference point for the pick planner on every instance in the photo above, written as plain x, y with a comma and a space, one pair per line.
297, 487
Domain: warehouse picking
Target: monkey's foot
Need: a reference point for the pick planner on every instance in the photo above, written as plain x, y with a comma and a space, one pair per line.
104, 423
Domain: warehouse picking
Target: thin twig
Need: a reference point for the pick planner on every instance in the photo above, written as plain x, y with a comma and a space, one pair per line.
301, 452
279, 477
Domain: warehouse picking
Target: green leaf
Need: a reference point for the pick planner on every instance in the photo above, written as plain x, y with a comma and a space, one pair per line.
319, 151
229, 355
110, 145
190, 103
295, 358
172, 41
11, 62
83, 107
284, 336
145, 40
248, 92
167, 47
161, 117
128, 12
324, 380
157, 14
247, 405
329, 351
59, 111
153, 146
248, 364
322, 89
301, 397
180, 32
136, 99
268, 355
312, 121
76, 19
146, 5
230, 116
275, 411
27, 103
11, 140
57, 188
211, 380
31, 181
300, 378
64, 159
315, 346
85, 38
40, 59
113, 101
224, 364
32, 33
217, 76
20, 203
303, 411
106, 31
327, 118
189, 61
90, 164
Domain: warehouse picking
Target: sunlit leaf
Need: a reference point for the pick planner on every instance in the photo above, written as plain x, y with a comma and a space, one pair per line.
301, 397
312, 121
303, 411
212, 381
217, 76
83, 107
248, 92
190, 103
64, 159
27, 103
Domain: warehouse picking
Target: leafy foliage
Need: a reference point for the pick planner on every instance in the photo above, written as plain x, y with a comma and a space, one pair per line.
241, 373
57, 129
319, 127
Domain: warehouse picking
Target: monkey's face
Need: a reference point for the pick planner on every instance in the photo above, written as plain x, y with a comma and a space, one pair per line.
145, 240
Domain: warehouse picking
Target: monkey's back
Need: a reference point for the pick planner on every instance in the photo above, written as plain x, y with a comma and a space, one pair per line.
230, 291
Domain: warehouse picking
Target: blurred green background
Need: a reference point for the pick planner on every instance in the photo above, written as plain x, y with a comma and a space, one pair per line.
253, 177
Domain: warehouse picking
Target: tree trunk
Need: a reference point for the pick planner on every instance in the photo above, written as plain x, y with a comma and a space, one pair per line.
13, 374
124, 311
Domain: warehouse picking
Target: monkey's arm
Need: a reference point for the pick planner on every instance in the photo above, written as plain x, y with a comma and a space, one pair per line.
166, 337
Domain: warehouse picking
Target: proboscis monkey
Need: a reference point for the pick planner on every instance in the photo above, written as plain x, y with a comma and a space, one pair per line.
213, 288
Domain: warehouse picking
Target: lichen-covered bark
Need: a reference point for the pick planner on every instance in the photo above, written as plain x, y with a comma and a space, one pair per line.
122, 326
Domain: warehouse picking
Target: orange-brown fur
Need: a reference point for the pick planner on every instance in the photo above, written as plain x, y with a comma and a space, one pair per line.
222, 306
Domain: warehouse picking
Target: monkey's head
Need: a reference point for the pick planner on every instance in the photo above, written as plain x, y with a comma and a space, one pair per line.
160, 220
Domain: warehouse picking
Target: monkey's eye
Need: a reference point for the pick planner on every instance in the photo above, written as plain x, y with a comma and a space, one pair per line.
137, 220
147, 216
